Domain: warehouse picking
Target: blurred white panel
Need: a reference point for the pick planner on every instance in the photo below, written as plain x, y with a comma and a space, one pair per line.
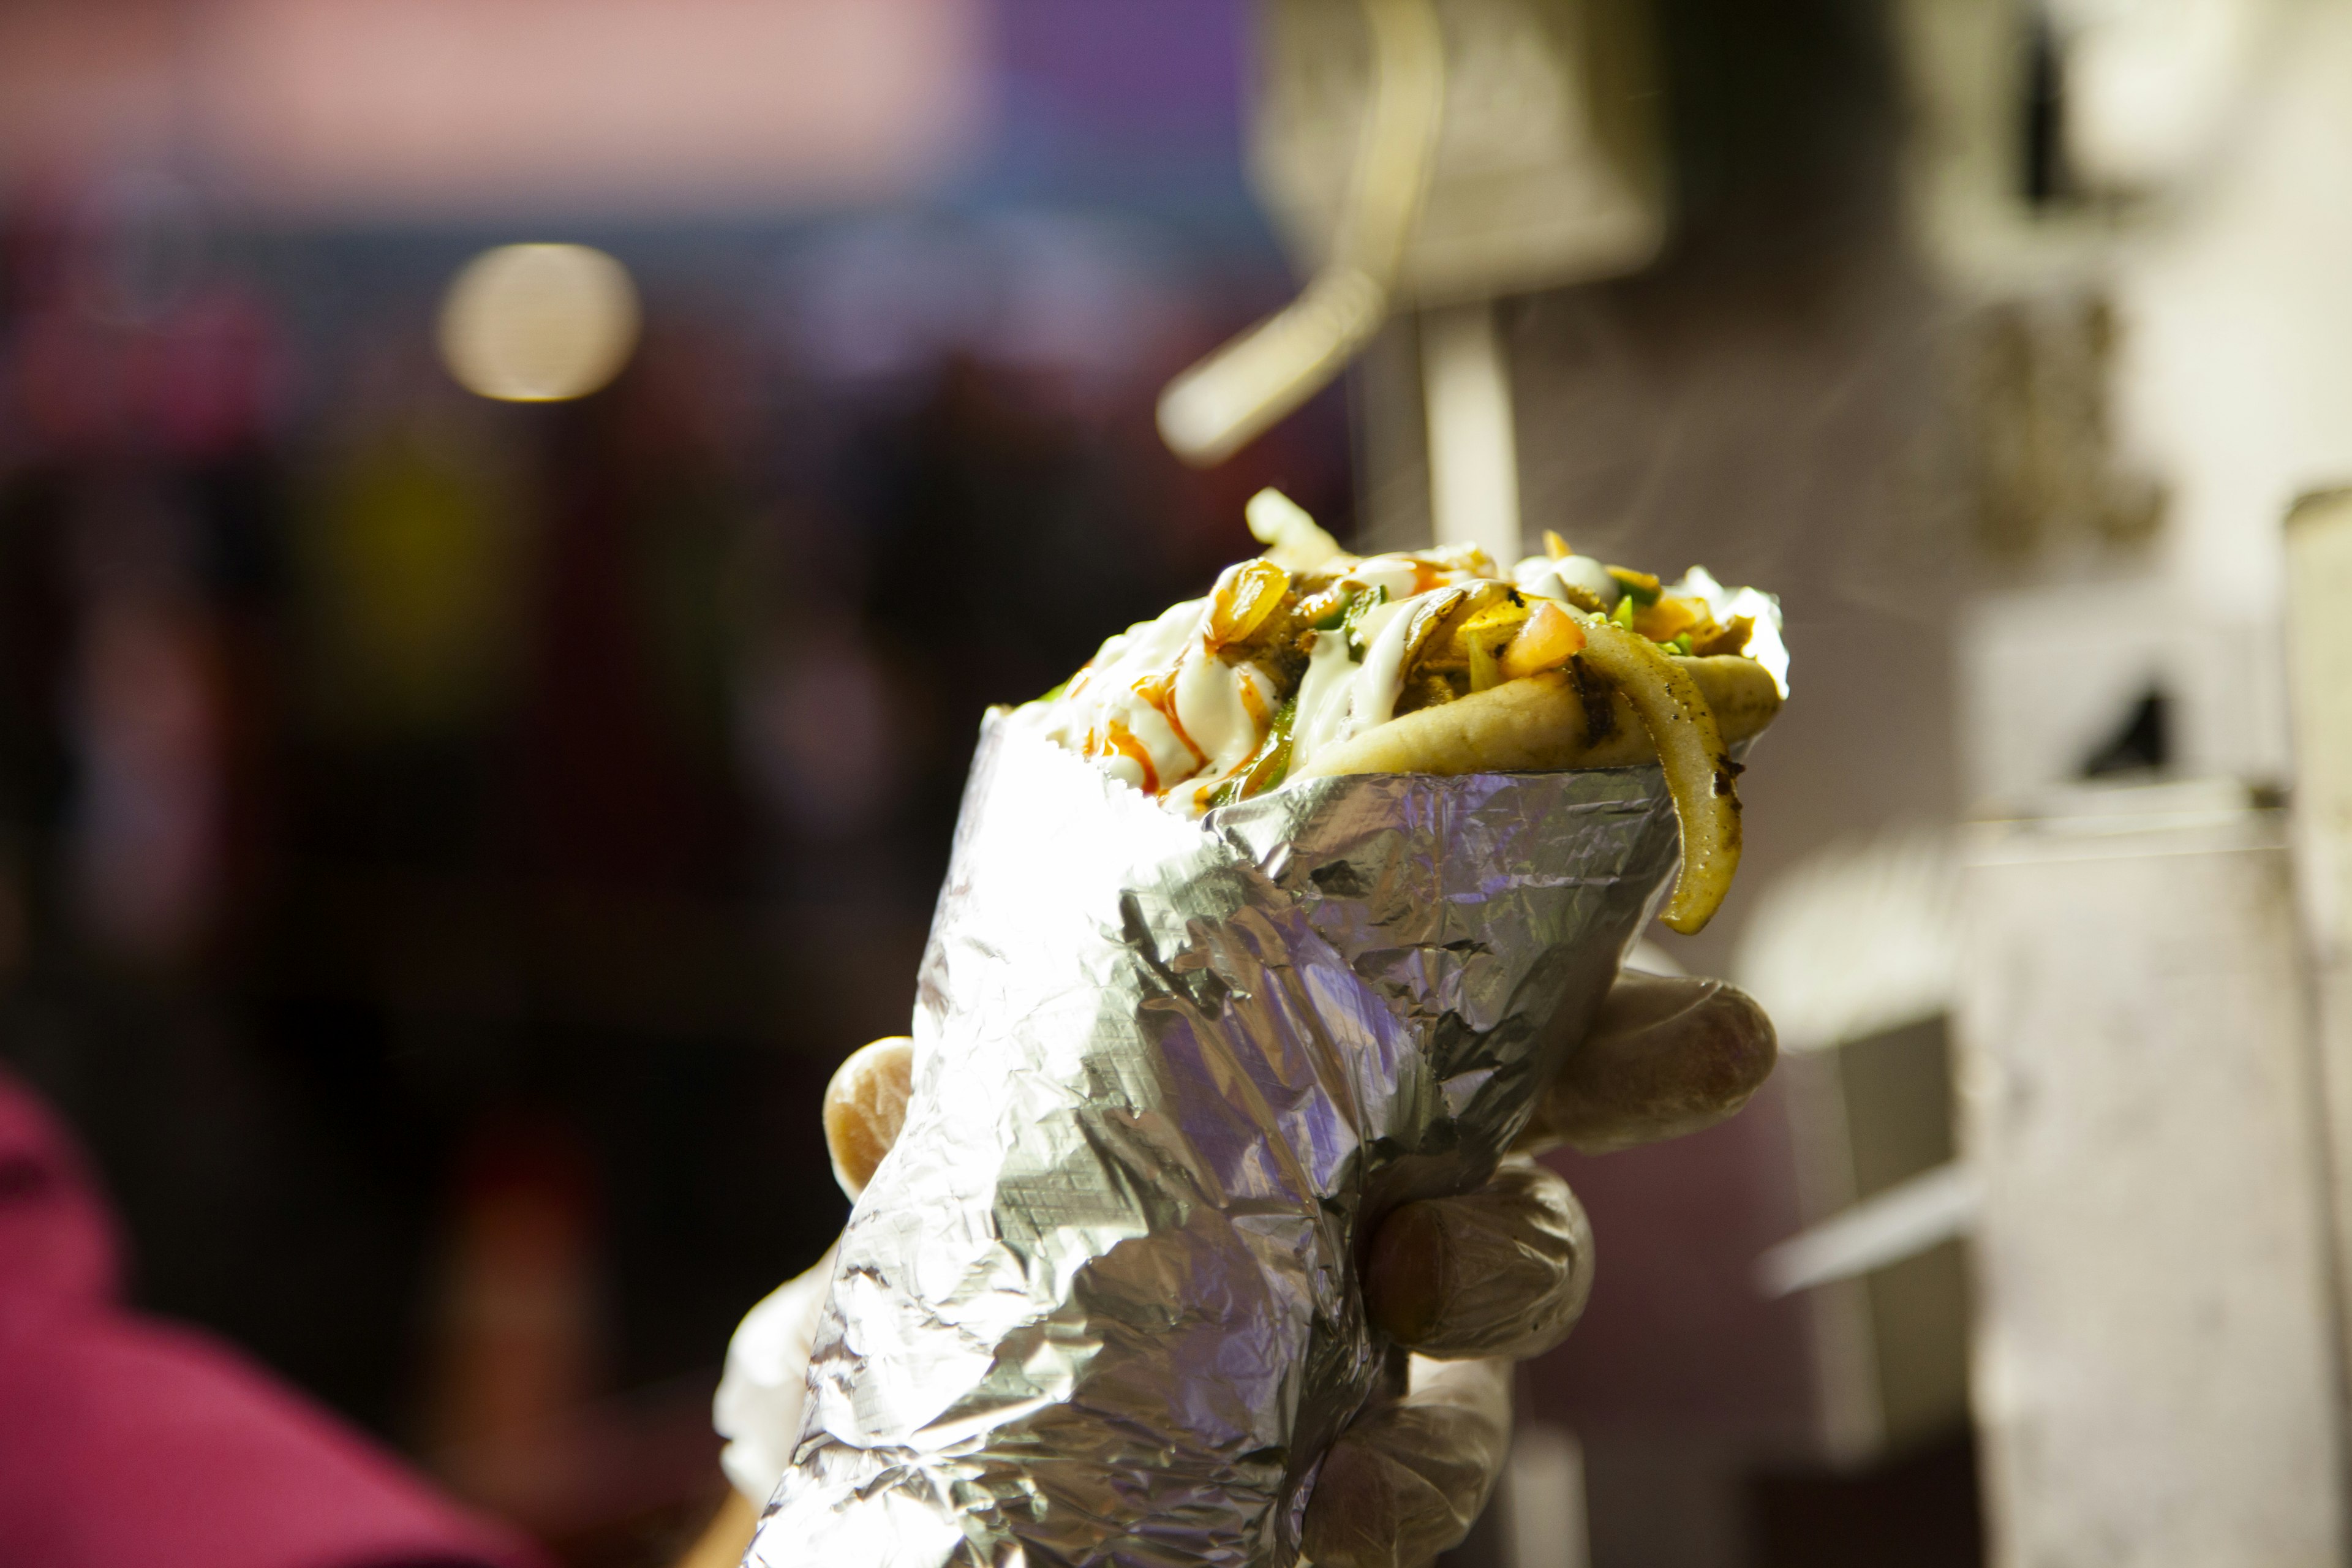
2319, 650
2048, 675
505, 108
2152, 87
2232, 379
2227, 125
2155, 1374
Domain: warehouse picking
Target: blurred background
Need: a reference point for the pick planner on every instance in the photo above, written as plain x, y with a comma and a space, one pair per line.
458, 805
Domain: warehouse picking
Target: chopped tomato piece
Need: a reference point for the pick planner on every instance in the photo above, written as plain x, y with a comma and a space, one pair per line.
1550, 638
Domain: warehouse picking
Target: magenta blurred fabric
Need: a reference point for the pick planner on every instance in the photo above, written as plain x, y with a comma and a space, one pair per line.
126, 1441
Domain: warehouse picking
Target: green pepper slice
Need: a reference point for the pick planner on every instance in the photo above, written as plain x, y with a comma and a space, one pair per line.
1267, 764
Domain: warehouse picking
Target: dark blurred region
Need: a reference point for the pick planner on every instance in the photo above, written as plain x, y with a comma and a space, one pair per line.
445, 845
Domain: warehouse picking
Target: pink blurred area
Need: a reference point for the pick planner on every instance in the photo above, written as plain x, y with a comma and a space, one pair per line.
503, 108
126, 1440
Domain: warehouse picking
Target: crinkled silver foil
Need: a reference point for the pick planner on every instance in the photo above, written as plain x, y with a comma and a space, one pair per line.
1099, 1304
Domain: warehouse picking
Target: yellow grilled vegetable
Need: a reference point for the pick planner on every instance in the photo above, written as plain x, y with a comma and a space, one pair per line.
1246, 594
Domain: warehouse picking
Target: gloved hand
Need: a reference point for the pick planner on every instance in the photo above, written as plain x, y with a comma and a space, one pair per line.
1468, 1283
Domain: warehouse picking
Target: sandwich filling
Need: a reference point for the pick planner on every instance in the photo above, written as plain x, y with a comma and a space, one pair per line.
1305, 648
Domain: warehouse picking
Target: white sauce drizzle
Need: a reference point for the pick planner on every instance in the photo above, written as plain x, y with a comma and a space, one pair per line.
1372, 696
1322, 697
1209, 705
1550, 579
1397, 573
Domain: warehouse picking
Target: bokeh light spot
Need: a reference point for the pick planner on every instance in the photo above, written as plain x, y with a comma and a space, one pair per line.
537, 323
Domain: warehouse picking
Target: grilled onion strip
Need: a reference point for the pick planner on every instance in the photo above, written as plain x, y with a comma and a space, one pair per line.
1699, 771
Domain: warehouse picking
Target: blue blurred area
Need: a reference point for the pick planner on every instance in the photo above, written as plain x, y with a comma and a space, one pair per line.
1134, 105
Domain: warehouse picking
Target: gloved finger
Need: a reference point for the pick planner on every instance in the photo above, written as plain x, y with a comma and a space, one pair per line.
1407, 1480
757, 1406
1664, 1056
1502, 1271
865, 1106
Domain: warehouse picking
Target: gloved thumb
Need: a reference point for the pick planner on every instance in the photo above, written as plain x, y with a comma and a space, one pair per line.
865, 1106
1501, 1271
1405, 1481
757, 1406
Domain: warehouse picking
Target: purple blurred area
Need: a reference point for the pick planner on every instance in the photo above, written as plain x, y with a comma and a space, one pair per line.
446, 845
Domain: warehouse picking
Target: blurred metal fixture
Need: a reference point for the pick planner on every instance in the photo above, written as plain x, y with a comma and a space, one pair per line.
1439, 153
1548, 167
1219, 406
1473, 455
1902, 1222
539, 324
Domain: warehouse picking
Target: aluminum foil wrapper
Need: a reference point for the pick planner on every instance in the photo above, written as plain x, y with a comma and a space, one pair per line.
1099, 1304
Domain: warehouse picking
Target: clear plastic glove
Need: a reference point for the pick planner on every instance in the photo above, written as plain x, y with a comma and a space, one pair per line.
1468, 1283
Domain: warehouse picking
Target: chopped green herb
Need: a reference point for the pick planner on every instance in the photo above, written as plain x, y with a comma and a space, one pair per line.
1624, 614
1643, 587
1682, 644
1057, 692
1331, 619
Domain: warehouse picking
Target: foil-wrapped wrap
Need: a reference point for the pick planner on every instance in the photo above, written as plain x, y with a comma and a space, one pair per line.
1099, 1304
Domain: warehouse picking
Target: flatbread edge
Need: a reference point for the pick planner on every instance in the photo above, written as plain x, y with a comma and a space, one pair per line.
1550, 722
